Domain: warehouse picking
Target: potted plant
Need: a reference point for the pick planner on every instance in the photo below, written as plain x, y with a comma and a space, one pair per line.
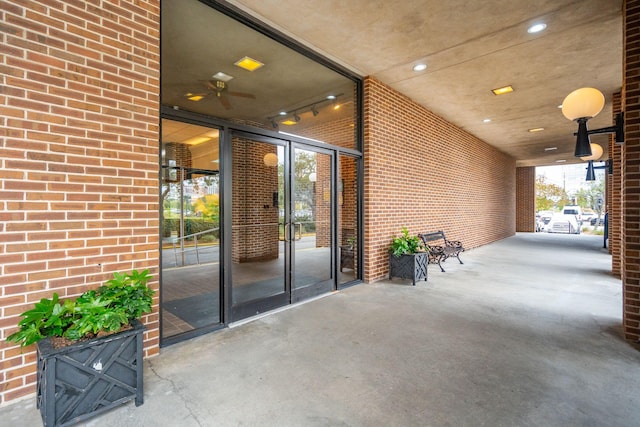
347, 253
89, 349
408, 257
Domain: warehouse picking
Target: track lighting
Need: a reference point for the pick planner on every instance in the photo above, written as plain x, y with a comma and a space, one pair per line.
312, 107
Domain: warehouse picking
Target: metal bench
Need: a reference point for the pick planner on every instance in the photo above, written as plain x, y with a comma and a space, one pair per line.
439, 253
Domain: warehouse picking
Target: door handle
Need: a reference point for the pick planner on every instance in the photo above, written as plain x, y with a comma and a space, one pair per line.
286, 232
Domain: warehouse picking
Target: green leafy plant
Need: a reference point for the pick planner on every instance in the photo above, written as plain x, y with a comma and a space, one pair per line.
106, 310
351, 242
406, 244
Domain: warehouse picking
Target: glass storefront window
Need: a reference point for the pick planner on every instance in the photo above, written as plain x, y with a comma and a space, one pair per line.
289, 92
286, 238
190, 227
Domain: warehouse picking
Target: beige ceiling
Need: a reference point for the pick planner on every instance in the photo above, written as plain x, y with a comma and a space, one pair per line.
471, 47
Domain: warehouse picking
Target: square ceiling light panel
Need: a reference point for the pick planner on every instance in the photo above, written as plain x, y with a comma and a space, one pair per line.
249, 64
502, 90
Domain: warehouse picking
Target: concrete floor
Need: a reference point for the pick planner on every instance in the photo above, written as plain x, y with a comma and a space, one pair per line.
526, 333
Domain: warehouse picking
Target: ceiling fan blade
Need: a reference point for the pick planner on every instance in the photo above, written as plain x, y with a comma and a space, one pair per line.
242, 94
225, 102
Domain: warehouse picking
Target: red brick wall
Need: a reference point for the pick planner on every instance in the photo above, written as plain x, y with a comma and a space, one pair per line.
348, 206
79, 105
631, 172
340, 133
255, 219
336, 132
614, 196
347, 199
526, 199
323, 194
424, 173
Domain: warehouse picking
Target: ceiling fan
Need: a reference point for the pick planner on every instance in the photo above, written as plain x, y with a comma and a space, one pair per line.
221, 90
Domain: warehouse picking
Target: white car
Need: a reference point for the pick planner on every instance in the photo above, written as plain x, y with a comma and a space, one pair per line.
542, 222
573, 210
563, 224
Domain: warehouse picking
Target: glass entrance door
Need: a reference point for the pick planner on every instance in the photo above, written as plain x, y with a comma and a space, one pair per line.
259, 254
312, 206
281, 224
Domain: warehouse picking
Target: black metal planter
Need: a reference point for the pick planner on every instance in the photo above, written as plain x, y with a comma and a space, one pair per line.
84, 379
409, 266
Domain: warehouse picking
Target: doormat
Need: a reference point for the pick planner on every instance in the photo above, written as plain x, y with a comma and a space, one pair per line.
198, 310
204, 309
267, 288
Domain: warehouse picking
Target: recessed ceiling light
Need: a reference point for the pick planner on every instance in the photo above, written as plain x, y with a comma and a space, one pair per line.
193, 97
289, 122
550, 148
222, 76
486, 120
502, 90
283, 113
536, 28
248, 64
331, 97
419, 67
560, 161
536, 130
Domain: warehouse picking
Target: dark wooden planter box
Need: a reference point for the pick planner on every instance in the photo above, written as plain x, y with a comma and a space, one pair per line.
346, 257
410, 266
84, 379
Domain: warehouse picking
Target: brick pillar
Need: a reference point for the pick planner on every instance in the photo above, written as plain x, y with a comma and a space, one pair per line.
631, 171
614, 196
526, 199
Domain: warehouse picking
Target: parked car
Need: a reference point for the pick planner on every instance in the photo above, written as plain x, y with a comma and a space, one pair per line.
597, 221
563, 224
574, 210
542, 221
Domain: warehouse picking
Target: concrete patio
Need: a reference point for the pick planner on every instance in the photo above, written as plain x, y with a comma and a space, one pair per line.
526, 333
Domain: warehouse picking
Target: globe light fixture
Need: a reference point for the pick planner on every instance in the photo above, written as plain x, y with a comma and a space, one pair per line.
582, 105
596, 153
271, 159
